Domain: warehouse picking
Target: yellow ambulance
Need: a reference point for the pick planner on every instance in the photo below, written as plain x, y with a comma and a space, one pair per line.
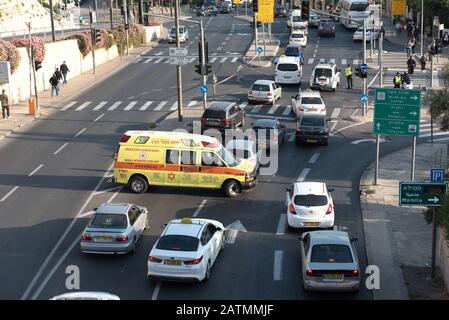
166, 158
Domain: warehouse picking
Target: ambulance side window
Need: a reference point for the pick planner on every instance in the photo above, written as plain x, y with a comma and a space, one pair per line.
188, 157
172, 157
210, 159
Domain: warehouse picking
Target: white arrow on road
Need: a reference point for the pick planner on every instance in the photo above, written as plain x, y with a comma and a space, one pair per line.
434, 199
232, 230
378, 126
367, 140
236, 225
414, 113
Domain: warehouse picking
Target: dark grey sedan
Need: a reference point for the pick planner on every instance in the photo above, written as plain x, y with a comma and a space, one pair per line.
312, 128
326, 29
270, 133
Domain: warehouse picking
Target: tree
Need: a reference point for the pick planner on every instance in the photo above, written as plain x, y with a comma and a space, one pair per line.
438, 103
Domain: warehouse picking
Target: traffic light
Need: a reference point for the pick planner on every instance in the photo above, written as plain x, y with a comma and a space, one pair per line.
97, 34
208, 69
198, 68
305, 9
37, 65
255, 6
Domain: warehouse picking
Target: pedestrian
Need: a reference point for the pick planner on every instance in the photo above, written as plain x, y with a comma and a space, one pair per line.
58, 76
408, 48
348, 72
382, 31
406, 81
413, 44
423, 63
445, 39
397, 79
54, 85
411, 64
4, 100
64, 69
398, 27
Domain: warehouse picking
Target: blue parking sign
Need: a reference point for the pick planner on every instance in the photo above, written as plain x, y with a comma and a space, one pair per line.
437, 175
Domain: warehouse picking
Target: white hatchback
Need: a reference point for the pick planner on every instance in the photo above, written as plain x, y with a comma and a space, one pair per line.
308, 102
298, 36
186, 250
264, 91
310, 205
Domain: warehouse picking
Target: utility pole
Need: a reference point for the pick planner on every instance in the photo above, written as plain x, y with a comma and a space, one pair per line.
178, 67
93, 20
381, 70
52, 21
434, 242
34, 78
364, 62
110, 14
255, 32
125, 6
203, 62
422, 27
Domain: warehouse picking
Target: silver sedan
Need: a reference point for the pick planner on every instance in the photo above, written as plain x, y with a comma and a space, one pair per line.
114, 228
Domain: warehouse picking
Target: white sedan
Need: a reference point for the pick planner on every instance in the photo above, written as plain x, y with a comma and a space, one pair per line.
358, 34
308, 102
186, 250
298, 36
310, 205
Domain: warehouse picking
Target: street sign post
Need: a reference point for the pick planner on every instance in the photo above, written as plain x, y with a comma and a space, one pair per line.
364, 97
437, 175
429, 194
397, 112
265, 13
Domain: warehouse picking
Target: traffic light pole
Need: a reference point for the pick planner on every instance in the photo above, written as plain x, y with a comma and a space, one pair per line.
178, 67
92, 36
364, 62
255, 32
125, 6
34, 78
203, 62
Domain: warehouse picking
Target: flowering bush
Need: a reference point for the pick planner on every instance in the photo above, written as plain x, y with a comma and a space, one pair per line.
109, 39
37, 43
135, 35
9, 52
154, 22
84, 42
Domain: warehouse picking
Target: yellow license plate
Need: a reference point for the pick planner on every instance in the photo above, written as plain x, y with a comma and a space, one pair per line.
332, 276
173, 262
311, 224
105, 238
312, 140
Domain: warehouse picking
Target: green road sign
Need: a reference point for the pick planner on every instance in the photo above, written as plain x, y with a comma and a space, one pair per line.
422, 194
397, 112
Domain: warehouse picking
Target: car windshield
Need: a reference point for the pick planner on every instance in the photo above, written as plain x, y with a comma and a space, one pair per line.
292, 52
323, 72
313, 121
359, 6
310, 200
287, 67
178, 243
228, 157
327, 25
109, 221
297, 36
311, 100
331, 253
214, 114
173, 30
261, 87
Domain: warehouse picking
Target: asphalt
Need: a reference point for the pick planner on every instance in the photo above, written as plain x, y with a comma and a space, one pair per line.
42, 232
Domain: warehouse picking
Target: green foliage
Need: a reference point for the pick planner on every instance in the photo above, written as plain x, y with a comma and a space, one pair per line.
445, 74
438, 104
109, 40
442, 216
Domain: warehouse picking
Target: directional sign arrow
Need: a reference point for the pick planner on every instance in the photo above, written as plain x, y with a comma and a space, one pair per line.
414, 113
414, 98
180, 52
434, 199
378, 126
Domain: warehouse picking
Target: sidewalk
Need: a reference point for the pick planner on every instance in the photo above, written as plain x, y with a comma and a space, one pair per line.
20, 116
398, 240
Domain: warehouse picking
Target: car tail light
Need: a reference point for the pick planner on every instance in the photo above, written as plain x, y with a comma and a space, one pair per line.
125, 138
122, 238
154, 259
323, 109
86, 237
301, 108
351, 273
226, 122
269, 94
203, 120
291, 208
298, 130
329, 209
195, 261
321, 28
311, 273
250, 92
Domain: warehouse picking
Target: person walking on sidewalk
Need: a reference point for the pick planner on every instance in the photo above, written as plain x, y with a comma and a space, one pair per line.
348, 72
411, 64
58, 76
54, 85
5, 105
413, 45
398, 27
423, 63
397, 79
64, 69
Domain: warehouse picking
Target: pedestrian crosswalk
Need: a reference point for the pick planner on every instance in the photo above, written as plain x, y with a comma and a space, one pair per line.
192, 59
425, 132
419, 79
343, 61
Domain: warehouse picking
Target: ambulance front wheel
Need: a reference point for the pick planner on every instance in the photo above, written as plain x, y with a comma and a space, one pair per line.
232, 188
138, 184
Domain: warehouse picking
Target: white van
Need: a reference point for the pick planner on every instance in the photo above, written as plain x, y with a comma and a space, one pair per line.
288, 70
295, 16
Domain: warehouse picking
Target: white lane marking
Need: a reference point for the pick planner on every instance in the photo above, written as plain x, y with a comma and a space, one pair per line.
167, 61
332, 60
273, 109
344, 128
138, 60
130, 105
223, 60
232, 235
335, 113
277, 270
322, 60
303, 175
100, 105
438, 140
427, 130
197, 211
434, 134
227, 38
35, 170
99, 117
287, 111
114, 106
333, 126
355, 61
160, 105
159, 53
107, 190
60, 148
243, 105
192, 103
213, 60
310, 61
69, 105
9, 193
174, 106
157, 288
281, 225
80, 132
343, 61
159, 60
83, 106
192, 59
146, 105
292, 138
272, 117
422, 125
256, 108
314, 158
214, 53
148, 60
234, 60
86, 214
223, 43
75, 242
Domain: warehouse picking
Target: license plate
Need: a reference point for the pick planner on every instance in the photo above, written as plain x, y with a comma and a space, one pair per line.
104, 238
311, 224
287, 77
312, 140
173, 262
333, 276
313, 109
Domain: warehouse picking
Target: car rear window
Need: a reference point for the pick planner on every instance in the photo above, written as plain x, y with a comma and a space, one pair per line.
331, 253
312, 121
311, 100
215, 114
292, 52
327, 25
178, 243
287, 67
320, 72
311, 200
261, 87
106, 220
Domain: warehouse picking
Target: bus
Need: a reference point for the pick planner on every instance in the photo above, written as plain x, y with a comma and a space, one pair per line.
352, 12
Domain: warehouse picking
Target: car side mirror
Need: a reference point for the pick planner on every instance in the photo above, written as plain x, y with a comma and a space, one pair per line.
327, 120
219, 229
354, 239
330, 189
95, 209
164, 225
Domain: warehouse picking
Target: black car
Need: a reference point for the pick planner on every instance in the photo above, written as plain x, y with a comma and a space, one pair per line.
274, 133
312, 128
225, 8
222, 115
280, 12
326, 29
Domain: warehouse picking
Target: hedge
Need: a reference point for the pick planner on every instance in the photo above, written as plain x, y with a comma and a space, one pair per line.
9, 52
37, 43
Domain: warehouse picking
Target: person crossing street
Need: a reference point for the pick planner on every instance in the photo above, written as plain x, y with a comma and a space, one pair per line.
411, 64
348, 72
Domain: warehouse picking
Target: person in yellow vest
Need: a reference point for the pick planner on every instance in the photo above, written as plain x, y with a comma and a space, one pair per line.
348, 72
397, 80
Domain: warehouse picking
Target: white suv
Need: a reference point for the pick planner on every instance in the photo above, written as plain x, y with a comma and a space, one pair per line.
325, 76
183, 34
310, 205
